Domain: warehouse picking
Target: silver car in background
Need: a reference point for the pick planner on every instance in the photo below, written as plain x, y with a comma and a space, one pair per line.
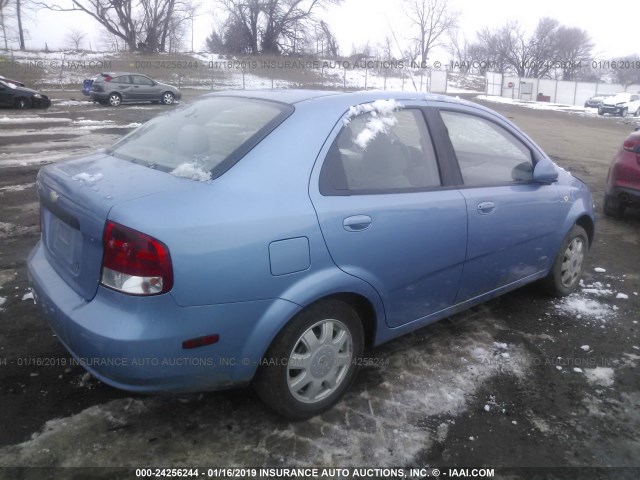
116, 88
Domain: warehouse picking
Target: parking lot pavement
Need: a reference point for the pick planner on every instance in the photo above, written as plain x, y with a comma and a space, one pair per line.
524, 380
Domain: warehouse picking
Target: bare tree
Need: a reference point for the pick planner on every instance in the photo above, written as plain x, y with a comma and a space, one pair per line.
75, 38
330, 40
458, 49
626, 75
4, 17
120, 18
574, 50
432, 19
270, 26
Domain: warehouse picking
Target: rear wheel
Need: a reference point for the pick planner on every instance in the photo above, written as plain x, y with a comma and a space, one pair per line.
115, 99
565, 274
312, 362
22, 103
637, 114
613, 207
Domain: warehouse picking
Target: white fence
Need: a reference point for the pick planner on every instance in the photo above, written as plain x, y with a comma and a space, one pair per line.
557, 91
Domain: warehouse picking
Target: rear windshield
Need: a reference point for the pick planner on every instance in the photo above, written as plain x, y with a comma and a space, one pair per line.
209, 135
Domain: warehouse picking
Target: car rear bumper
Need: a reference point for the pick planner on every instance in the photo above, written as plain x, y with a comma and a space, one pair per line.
136, 343
626, 194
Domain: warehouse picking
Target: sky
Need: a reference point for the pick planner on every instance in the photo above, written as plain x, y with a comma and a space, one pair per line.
614, 30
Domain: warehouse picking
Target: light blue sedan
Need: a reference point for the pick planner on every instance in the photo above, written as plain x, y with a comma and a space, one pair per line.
268, 237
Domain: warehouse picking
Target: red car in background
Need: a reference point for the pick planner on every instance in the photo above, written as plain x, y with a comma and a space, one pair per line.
623, 180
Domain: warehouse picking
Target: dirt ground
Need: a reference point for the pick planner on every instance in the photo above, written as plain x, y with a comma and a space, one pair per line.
524, 380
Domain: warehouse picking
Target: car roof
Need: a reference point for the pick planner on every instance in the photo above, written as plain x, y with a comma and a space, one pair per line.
295, 96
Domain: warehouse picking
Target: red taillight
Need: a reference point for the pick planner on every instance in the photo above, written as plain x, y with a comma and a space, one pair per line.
107, 78
632, 144
135, 263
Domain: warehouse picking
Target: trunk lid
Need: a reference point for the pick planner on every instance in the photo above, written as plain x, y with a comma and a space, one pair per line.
75, 200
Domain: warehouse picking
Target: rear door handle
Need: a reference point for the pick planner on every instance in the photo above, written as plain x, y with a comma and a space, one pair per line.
486, 207
357, 223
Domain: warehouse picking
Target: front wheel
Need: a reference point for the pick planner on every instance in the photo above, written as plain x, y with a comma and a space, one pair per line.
312, 362
167, 98
22, 103
565, 274
624, 112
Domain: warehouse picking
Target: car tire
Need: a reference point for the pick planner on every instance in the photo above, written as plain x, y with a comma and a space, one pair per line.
613, 207
324, 340
114, 100
168, 98
564, 275
600, 111
22, 103
624, 112
637, 114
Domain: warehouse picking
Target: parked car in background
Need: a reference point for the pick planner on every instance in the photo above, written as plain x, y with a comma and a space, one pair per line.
621, 104
623, 179
116, 88
596, 101
267, 237
16, 96
87, 83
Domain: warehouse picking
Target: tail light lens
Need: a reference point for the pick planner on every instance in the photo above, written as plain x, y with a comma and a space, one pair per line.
135, 263
107, 78
632, 144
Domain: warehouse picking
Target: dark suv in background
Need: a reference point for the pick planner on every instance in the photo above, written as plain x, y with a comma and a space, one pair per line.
116, 88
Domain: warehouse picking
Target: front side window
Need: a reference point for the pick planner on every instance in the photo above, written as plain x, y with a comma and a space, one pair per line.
367, 158
207, 134
487, 153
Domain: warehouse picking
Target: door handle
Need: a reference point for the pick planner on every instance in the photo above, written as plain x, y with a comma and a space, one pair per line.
357, 223
486, 207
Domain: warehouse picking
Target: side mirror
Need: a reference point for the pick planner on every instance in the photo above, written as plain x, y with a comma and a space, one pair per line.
545, 172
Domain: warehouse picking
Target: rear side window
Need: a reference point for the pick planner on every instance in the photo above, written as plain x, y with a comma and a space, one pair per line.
122, 79
400, 159
209, 135
487, 153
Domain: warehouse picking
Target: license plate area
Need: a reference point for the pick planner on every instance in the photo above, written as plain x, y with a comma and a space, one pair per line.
66, 243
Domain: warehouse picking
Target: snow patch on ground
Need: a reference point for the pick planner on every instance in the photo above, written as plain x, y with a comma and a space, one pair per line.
579, 306
16, 188
600, 376
21, 119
